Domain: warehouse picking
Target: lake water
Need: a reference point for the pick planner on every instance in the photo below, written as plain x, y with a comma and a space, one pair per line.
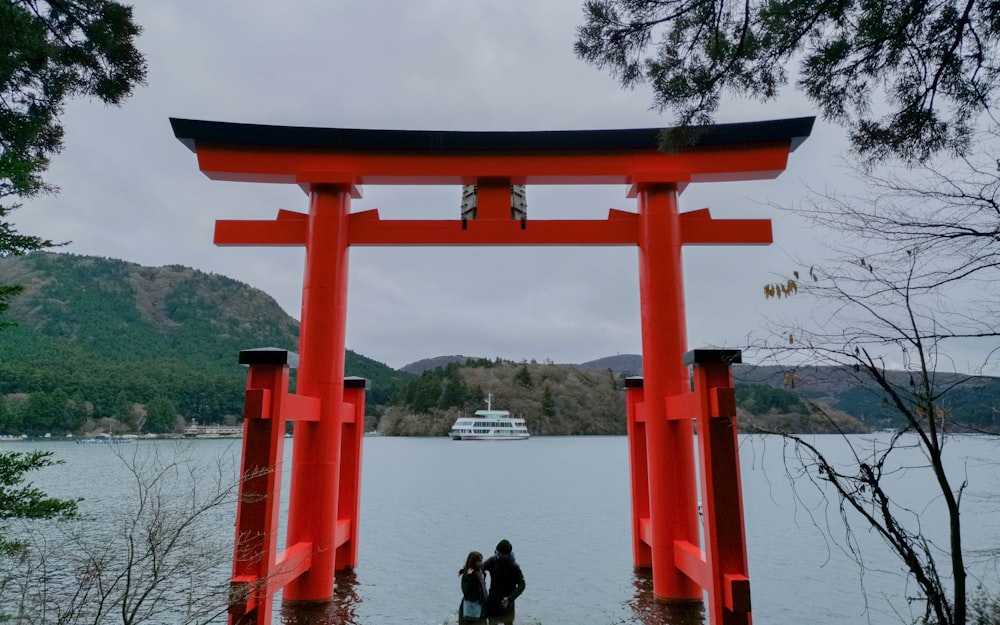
564, 504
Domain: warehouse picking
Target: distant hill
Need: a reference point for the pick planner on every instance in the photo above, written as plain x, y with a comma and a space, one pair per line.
627, 365
847, 395
427, 364
970, 400
102, 339
553, 399
973, 400
620, 365
571, 399
105, 345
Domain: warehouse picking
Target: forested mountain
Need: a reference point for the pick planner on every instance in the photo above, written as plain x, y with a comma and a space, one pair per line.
427, 364
626, 365
587, 398
100, 344
970, 400
147, 347
553, 399
571, 399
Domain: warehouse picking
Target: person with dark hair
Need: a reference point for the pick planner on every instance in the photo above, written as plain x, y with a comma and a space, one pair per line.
506, 584
473, 606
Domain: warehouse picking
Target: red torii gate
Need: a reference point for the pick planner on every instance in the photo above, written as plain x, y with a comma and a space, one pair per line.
331, 165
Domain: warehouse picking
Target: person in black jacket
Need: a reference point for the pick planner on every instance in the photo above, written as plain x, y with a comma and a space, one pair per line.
506, 584
472, 609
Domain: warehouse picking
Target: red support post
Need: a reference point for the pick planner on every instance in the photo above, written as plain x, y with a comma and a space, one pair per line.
725, 550
315, 483
719, 569
258, 510
669, 441
258, 570
493, 199
349, 505
635, 410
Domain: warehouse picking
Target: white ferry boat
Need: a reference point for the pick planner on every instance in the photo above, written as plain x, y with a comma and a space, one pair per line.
213, 431
489, 425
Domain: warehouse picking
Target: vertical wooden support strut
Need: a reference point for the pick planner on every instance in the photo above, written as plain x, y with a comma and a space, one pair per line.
642, 554
673, 506
719, 568
260, 473
349, 504
725, 553
316, 468
494, 199
258, 570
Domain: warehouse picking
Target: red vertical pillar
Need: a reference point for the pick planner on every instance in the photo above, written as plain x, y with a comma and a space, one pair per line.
642, 556
349, 504
670, 443
722, 500
260, 476
312, 515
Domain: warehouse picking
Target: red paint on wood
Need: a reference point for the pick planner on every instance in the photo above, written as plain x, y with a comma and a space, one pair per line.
662, 409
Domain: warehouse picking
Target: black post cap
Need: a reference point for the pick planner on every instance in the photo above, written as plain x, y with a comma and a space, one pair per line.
713, 356
269, 356
353, 381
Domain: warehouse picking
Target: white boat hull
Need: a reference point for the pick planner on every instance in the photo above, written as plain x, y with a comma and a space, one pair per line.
489, 437
489, 425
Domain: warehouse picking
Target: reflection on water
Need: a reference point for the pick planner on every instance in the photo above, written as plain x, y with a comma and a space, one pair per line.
341, 610
649, 611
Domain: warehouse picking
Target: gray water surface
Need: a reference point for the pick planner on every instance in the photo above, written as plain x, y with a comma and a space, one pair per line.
564, 504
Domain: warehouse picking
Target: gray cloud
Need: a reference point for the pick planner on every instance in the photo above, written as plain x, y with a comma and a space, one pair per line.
130, 190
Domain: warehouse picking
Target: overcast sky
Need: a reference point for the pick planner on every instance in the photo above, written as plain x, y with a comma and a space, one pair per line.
129, 190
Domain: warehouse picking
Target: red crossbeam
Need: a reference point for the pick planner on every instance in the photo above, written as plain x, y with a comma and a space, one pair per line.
368, 229
291, 166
